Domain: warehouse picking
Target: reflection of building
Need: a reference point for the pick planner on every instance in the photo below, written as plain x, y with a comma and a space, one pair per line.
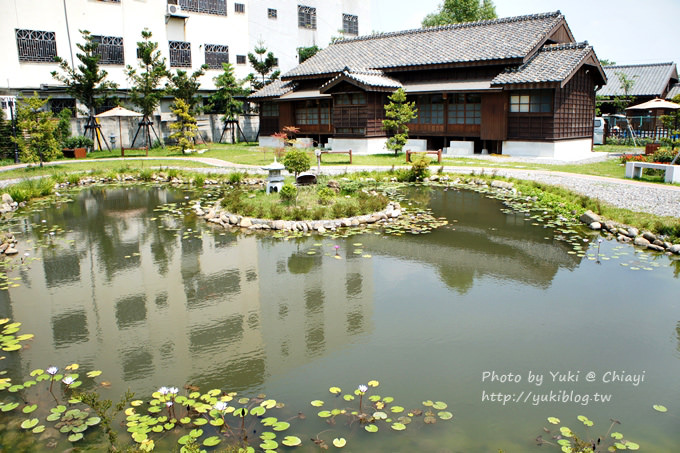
312, 304
143, 303
481, 244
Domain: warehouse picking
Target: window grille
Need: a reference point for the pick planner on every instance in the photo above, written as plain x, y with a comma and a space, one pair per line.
110, 1
350, 24
239, 8
180, 54
531, 102
271, 13
306, 17
38, 46
59, 104
240, 59
218, 7
109, 49
215, 55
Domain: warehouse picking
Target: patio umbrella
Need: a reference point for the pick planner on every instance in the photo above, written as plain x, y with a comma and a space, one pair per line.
657, 103
119, 112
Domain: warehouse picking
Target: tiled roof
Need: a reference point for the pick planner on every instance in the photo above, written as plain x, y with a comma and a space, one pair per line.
500, 39
366, 78
674, 91
650, 79
553, 63
275, 89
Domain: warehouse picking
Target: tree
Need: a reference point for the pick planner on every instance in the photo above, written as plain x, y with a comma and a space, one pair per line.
296, 161
264, 67
146, 80
63, 130
184, 86
456, 11
307, 52
672, 123
185, 127
398, 113
86, 83
37, 127
621, 102
607, 62
224, 99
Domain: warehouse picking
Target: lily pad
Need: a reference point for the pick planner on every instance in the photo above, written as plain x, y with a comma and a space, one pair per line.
268, 435
291, 441
30, 423
397, 409
317, 403
379, 415
212, 441
348, 397
77, 436
339, 442
324, 414
660, 408
445, 415
371, 428
30, 408
335, 390
258, 411
281, 426
617, 435
439, 405
269, 444
398, 426
553, 420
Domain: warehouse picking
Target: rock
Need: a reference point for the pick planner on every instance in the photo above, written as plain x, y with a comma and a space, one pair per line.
609, 226
641, 242
633, 232
246, 223
396, 213
649, 236
589, 217
656, 248
233, 220
675, 248
595, 226
11, 251
321, 229
332, 184
667, 245
354, 222
659, 242
622, 238
224, 218
7, 198
278, 225
4, 247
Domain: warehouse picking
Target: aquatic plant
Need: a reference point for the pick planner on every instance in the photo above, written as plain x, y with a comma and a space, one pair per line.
570, 442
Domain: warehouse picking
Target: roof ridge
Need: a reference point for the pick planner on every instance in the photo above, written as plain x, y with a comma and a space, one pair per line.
638, 65
450, 27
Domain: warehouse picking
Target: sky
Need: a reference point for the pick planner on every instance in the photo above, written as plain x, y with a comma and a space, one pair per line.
623, 31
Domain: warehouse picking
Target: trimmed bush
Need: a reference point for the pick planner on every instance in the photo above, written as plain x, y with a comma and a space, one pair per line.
288, 192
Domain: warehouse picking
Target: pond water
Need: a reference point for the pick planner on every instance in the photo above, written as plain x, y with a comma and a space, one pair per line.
133, 284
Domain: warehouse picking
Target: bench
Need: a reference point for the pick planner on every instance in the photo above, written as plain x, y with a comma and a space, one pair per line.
438, 153
672, 172
338, 152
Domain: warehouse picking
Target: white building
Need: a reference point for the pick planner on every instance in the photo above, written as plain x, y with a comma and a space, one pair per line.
189, 32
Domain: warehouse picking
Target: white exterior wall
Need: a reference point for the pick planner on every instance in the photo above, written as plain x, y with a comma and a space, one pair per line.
561, 150
282, 36
360, 145
126, 19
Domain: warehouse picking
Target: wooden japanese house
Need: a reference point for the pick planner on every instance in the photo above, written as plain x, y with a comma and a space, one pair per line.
518, 85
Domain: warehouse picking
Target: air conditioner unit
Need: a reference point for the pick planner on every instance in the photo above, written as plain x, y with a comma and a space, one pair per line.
176, 11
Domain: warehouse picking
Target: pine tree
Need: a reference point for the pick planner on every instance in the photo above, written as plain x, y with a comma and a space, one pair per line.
224, 99
36, 138
87, 82
263, 66
184, 86
398, 113
145, 92
185, 127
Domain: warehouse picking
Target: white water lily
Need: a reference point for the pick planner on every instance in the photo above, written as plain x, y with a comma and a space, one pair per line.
363, 388
220, 406
52, 370
68, 380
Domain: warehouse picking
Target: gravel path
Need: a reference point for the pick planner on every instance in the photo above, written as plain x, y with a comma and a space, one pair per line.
660, 199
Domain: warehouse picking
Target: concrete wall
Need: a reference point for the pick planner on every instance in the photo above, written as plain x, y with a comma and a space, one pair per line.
360, 145
562, 150
460, 148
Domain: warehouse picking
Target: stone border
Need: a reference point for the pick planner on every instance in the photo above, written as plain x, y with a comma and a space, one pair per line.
625, 233
226, 219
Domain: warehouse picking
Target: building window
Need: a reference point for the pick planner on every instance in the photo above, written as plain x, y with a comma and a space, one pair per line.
215, 55
110, 1
59, 104
240, 59
465, 109
109, 49
270, 109
271, 13
39, 46
531, 102
180, 54
350, 24
306, 17
430, 110
240, 8
351, 99
205, 6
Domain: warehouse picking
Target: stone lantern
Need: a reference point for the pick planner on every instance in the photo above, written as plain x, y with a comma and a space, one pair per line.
274, 178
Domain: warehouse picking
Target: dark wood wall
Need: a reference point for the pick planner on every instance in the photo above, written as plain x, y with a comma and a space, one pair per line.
575, 107
494, 116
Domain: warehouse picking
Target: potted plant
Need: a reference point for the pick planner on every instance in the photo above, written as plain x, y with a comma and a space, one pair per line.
77, 146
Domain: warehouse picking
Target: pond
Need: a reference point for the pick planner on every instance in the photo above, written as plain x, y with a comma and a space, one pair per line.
504, 319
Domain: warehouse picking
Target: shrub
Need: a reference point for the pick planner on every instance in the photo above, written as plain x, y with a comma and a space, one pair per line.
199, 180
420, 169
296, 161
73, 179
145, 174
299, 213
633, 158
172, 173
326, 195
349, 187
79, 141
288, 192
235, 177
663, 155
